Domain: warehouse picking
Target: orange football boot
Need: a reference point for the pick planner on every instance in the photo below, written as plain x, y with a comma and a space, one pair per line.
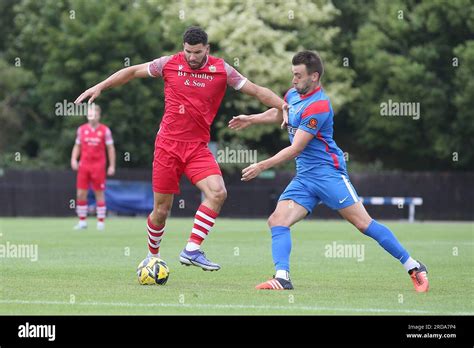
419, 278
275, 284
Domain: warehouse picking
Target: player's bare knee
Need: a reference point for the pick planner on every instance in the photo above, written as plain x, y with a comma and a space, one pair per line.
218, 196
271, 221
160, 214
361, 225
276, 220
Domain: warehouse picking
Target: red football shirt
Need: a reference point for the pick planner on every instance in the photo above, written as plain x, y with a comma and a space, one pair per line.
192, 96
93, 143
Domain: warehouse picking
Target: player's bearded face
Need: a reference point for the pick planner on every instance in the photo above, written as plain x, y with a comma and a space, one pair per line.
302, 81
303, 86
195, 55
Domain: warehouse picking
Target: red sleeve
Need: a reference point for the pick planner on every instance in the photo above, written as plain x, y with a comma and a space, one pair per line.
108, 136
155, 68
234, 78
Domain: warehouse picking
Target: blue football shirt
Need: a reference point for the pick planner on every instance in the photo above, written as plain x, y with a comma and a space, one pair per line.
313, 113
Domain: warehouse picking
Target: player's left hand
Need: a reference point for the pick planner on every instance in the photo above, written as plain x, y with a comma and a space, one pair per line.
239, 122
251, 172
110, 171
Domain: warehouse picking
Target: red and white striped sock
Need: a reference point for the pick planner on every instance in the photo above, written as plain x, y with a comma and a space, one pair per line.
81, 210
155, 233
203, 222
101, 211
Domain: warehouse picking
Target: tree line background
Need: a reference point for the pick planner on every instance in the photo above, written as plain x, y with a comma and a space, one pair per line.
374, 51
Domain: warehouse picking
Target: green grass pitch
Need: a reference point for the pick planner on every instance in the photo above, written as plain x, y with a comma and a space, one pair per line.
91, 272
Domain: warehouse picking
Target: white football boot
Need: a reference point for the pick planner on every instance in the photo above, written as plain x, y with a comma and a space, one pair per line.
81, 225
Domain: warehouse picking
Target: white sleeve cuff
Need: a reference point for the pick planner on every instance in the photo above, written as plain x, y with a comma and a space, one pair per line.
148, 69
241, 84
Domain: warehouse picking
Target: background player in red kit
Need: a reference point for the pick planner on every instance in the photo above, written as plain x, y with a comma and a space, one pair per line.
91, 142
195, 84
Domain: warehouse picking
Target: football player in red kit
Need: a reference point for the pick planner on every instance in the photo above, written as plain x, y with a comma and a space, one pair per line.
194, 85
92, 140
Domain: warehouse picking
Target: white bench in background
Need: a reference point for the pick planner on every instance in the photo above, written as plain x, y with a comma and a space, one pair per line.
399, 201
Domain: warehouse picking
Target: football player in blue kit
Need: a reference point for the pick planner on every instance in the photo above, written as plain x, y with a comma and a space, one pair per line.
321, 174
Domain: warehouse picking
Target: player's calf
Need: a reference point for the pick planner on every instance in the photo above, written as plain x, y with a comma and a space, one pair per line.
81, 210
286, 214
390, 243
155, 234
156, 222
101, 213
204, 220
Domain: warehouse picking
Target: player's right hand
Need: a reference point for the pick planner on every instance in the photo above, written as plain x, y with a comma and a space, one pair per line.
239, 122
91, 93
285, 116
74, 164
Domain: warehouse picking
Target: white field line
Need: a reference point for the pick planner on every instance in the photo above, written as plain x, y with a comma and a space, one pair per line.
229, 306
453, 242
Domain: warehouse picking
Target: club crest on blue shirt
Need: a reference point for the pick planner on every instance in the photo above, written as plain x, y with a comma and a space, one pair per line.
313, 123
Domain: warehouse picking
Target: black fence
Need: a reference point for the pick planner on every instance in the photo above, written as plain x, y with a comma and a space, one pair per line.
446, 195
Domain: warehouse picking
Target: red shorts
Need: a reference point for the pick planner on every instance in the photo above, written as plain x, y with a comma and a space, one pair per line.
173, 158
93, 175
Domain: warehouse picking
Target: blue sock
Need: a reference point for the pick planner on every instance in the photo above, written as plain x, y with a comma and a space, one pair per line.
387, 240
281, 247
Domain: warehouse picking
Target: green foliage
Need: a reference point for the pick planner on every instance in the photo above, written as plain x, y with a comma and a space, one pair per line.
53, 50
463, 128
404, 52
16, 118
69, 46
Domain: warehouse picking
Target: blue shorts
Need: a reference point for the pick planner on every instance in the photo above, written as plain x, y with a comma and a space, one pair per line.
333, 189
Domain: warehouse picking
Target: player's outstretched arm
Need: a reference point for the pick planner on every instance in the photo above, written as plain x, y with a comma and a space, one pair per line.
119, 78
301, 139
272, 115
267, 97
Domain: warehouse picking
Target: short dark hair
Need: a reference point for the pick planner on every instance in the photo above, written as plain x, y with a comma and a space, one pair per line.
312, 60
195, 35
